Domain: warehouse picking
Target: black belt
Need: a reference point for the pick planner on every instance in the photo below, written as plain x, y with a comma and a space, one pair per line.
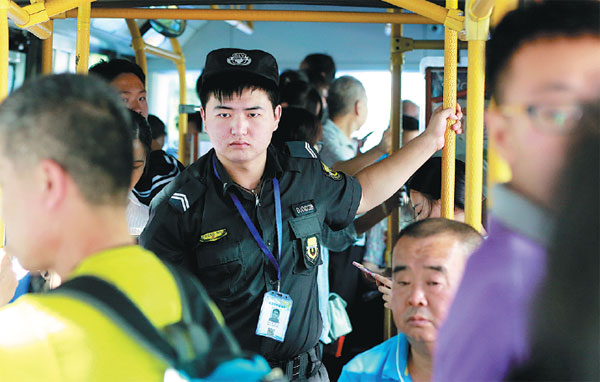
302, 366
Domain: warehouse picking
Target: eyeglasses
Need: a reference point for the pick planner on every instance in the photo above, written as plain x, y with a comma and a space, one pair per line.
555, 118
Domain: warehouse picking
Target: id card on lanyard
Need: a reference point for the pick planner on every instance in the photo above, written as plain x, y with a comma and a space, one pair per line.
276, 307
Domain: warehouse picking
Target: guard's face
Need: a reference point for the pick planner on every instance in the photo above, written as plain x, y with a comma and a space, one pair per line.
543, 76
240, 128
427, 272
133, 92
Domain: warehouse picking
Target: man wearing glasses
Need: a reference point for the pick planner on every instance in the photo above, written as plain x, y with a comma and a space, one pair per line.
542, 61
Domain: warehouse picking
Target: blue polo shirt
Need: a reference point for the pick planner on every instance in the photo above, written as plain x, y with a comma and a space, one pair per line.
385, 362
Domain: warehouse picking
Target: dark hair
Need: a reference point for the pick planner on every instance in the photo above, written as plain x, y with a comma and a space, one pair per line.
196, 117
565, 320
303, 95
410, 123
296, 124
468, 237
109, 70
80, 123
550, 19
140, 129
157, 127
428, 181
343, 93
320, 63
227, 85
288, 76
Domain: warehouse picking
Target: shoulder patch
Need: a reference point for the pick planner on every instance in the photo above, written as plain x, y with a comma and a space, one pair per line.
185, 197
330, 173
300, 149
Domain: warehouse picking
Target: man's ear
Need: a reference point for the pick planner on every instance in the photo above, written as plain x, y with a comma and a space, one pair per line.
499, 133
203, 114
277, 114
54, 183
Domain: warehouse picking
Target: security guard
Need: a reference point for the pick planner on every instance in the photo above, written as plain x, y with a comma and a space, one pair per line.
246, 219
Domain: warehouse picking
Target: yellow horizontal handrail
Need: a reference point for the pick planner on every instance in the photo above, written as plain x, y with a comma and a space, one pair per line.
255, 15
451, 18
177, 58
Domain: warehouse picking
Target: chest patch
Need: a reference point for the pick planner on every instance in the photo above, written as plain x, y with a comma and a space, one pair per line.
304, 208
213, 236
330, 173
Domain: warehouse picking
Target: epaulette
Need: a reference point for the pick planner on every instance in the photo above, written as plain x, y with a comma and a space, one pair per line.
300, 149
185, 197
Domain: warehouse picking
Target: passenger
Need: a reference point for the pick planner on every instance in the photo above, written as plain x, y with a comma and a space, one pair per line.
301, 94
348, 111
288, 76
566, 315
542, 60
428, 262
202, 221
137, 212
410, 129
319, 63
130, 80
410, 109
297, 124
64, 197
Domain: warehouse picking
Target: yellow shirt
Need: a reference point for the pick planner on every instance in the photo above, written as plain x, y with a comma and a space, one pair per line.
57, 338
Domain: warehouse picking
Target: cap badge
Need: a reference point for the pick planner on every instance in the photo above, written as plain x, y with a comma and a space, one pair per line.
239, 59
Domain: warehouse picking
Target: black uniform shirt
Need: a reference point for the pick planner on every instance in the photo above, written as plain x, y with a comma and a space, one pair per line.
194, 222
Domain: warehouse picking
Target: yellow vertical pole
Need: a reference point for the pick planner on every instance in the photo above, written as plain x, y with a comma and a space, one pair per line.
3, 74
47, 50
449, 151
397, 60
83, 38
475, 106
138, 44
183, 157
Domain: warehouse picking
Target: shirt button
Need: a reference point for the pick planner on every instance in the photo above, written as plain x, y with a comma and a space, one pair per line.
268, 243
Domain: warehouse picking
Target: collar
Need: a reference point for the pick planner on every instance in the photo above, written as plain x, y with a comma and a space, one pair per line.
398, 353
100, 263
273, 169
339, 134
523, 216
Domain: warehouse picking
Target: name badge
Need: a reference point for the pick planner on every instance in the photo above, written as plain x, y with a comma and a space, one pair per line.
274, 315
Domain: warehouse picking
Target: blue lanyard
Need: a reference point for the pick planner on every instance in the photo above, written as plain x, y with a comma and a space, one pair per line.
276, 262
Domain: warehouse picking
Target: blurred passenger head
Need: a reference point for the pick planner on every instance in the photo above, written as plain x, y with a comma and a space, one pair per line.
570, 292
128, 78
428, 262
288, 76
297, 124
319, 63
541, 62
65, 142
159, 132
347, 97
411, 109
142, 143
195, 123
303, 95
410, 129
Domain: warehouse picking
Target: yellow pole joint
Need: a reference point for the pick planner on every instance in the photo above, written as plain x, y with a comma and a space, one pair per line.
449, 151
42, 11
477, 22
451, 17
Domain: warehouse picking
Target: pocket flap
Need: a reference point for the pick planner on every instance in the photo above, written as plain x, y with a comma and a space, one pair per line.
305, 226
